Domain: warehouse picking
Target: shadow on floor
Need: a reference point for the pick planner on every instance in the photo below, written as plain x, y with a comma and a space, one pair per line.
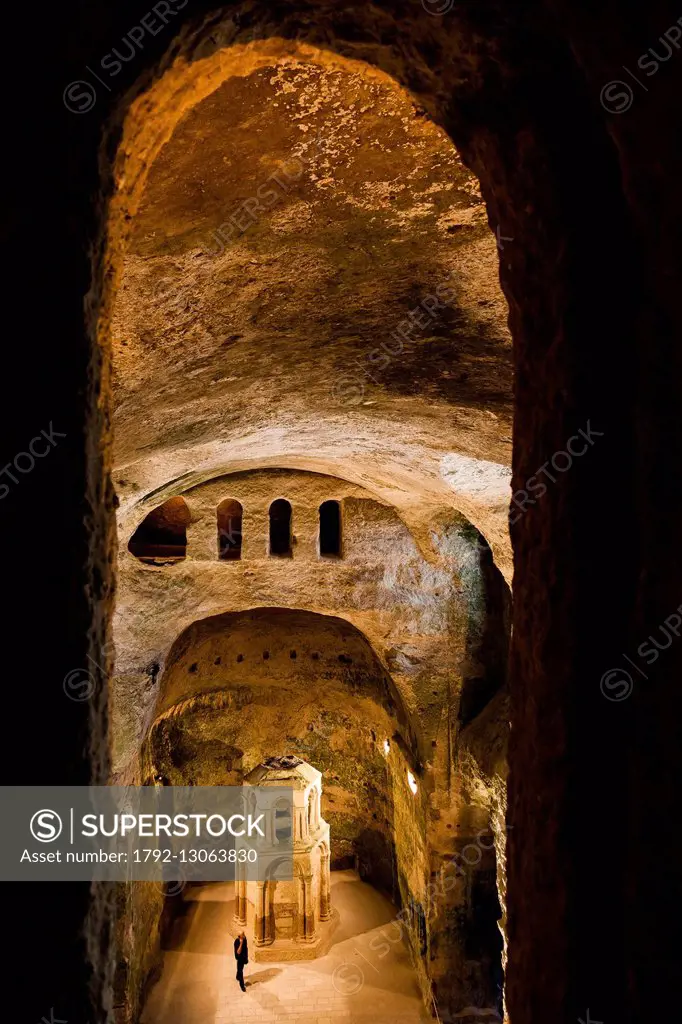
366, 977
260, 976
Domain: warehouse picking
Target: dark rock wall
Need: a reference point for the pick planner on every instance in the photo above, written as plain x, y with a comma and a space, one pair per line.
592, 278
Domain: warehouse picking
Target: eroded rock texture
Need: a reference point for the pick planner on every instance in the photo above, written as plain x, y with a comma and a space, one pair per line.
329, 658
588, 207
343, 245
309, 284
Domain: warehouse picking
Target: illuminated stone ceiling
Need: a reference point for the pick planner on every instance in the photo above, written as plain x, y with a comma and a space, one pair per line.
347, 320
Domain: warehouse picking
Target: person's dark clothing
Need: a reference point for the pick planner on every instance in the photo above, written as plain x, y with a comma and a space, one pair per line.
242, 959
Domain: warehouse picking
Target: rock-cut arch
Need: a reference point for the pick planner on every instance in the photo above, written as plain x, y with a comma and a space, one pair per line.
239, 686
281, 648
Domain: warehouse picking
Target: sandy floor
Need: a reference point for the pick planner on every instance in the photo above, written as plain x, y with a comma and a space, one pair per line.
358, 981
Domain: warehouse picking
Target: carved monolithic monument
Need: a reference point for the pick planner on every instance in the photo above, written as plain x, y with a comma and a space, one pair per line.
289, 916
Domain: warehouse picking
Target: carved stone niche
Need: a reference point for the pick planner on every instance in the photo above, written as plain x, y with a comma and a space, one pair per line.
289, 918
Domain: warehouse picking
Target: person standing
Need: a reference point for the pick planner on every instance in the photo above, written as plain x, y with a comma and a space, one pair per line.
241, 955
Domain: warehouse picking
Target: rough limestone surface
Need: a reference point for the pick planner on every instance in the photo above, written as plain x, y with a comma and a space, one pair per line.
223, 663
590, 199
310, 281
308, 307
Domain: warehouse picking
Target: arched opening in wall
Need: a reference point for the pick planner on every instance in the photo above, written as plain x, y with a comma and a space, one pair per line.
219, 717
229, 530
330, 529
162, 535
283, 821
339, 257
280, 528
488, 632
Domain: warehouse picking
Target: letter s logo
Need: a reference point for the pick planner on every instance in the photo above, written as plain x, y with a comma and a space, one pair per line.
617, 96
46, 826
80, 97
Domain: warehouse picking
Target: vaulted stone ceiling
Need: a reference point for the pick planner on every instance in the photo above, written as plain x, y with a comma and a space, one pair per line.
309, 282
342, 207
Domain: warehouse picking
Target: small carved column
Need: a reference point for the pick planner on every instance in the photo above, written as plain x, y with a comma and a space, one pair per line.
240, 902
309, 928
325, 885
301, 908
305, 529
255, 533
264, 934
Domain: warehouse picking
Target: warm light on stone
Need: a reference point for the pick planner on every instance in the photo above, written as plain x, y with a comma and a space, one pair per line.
308, 325
289, 919
324, 273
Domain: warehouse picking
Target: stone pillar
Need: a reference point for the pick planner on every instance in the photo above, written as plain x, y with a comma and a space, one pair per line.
240, 899
300, 931
304, 527
264, 936
255, 533
202, 536
325, 885
309, 926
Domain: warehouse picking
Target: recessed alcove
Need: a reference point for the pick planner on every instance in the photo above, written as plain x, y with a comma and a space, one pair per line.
330, 529
161, 538
229, 516
280, 528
